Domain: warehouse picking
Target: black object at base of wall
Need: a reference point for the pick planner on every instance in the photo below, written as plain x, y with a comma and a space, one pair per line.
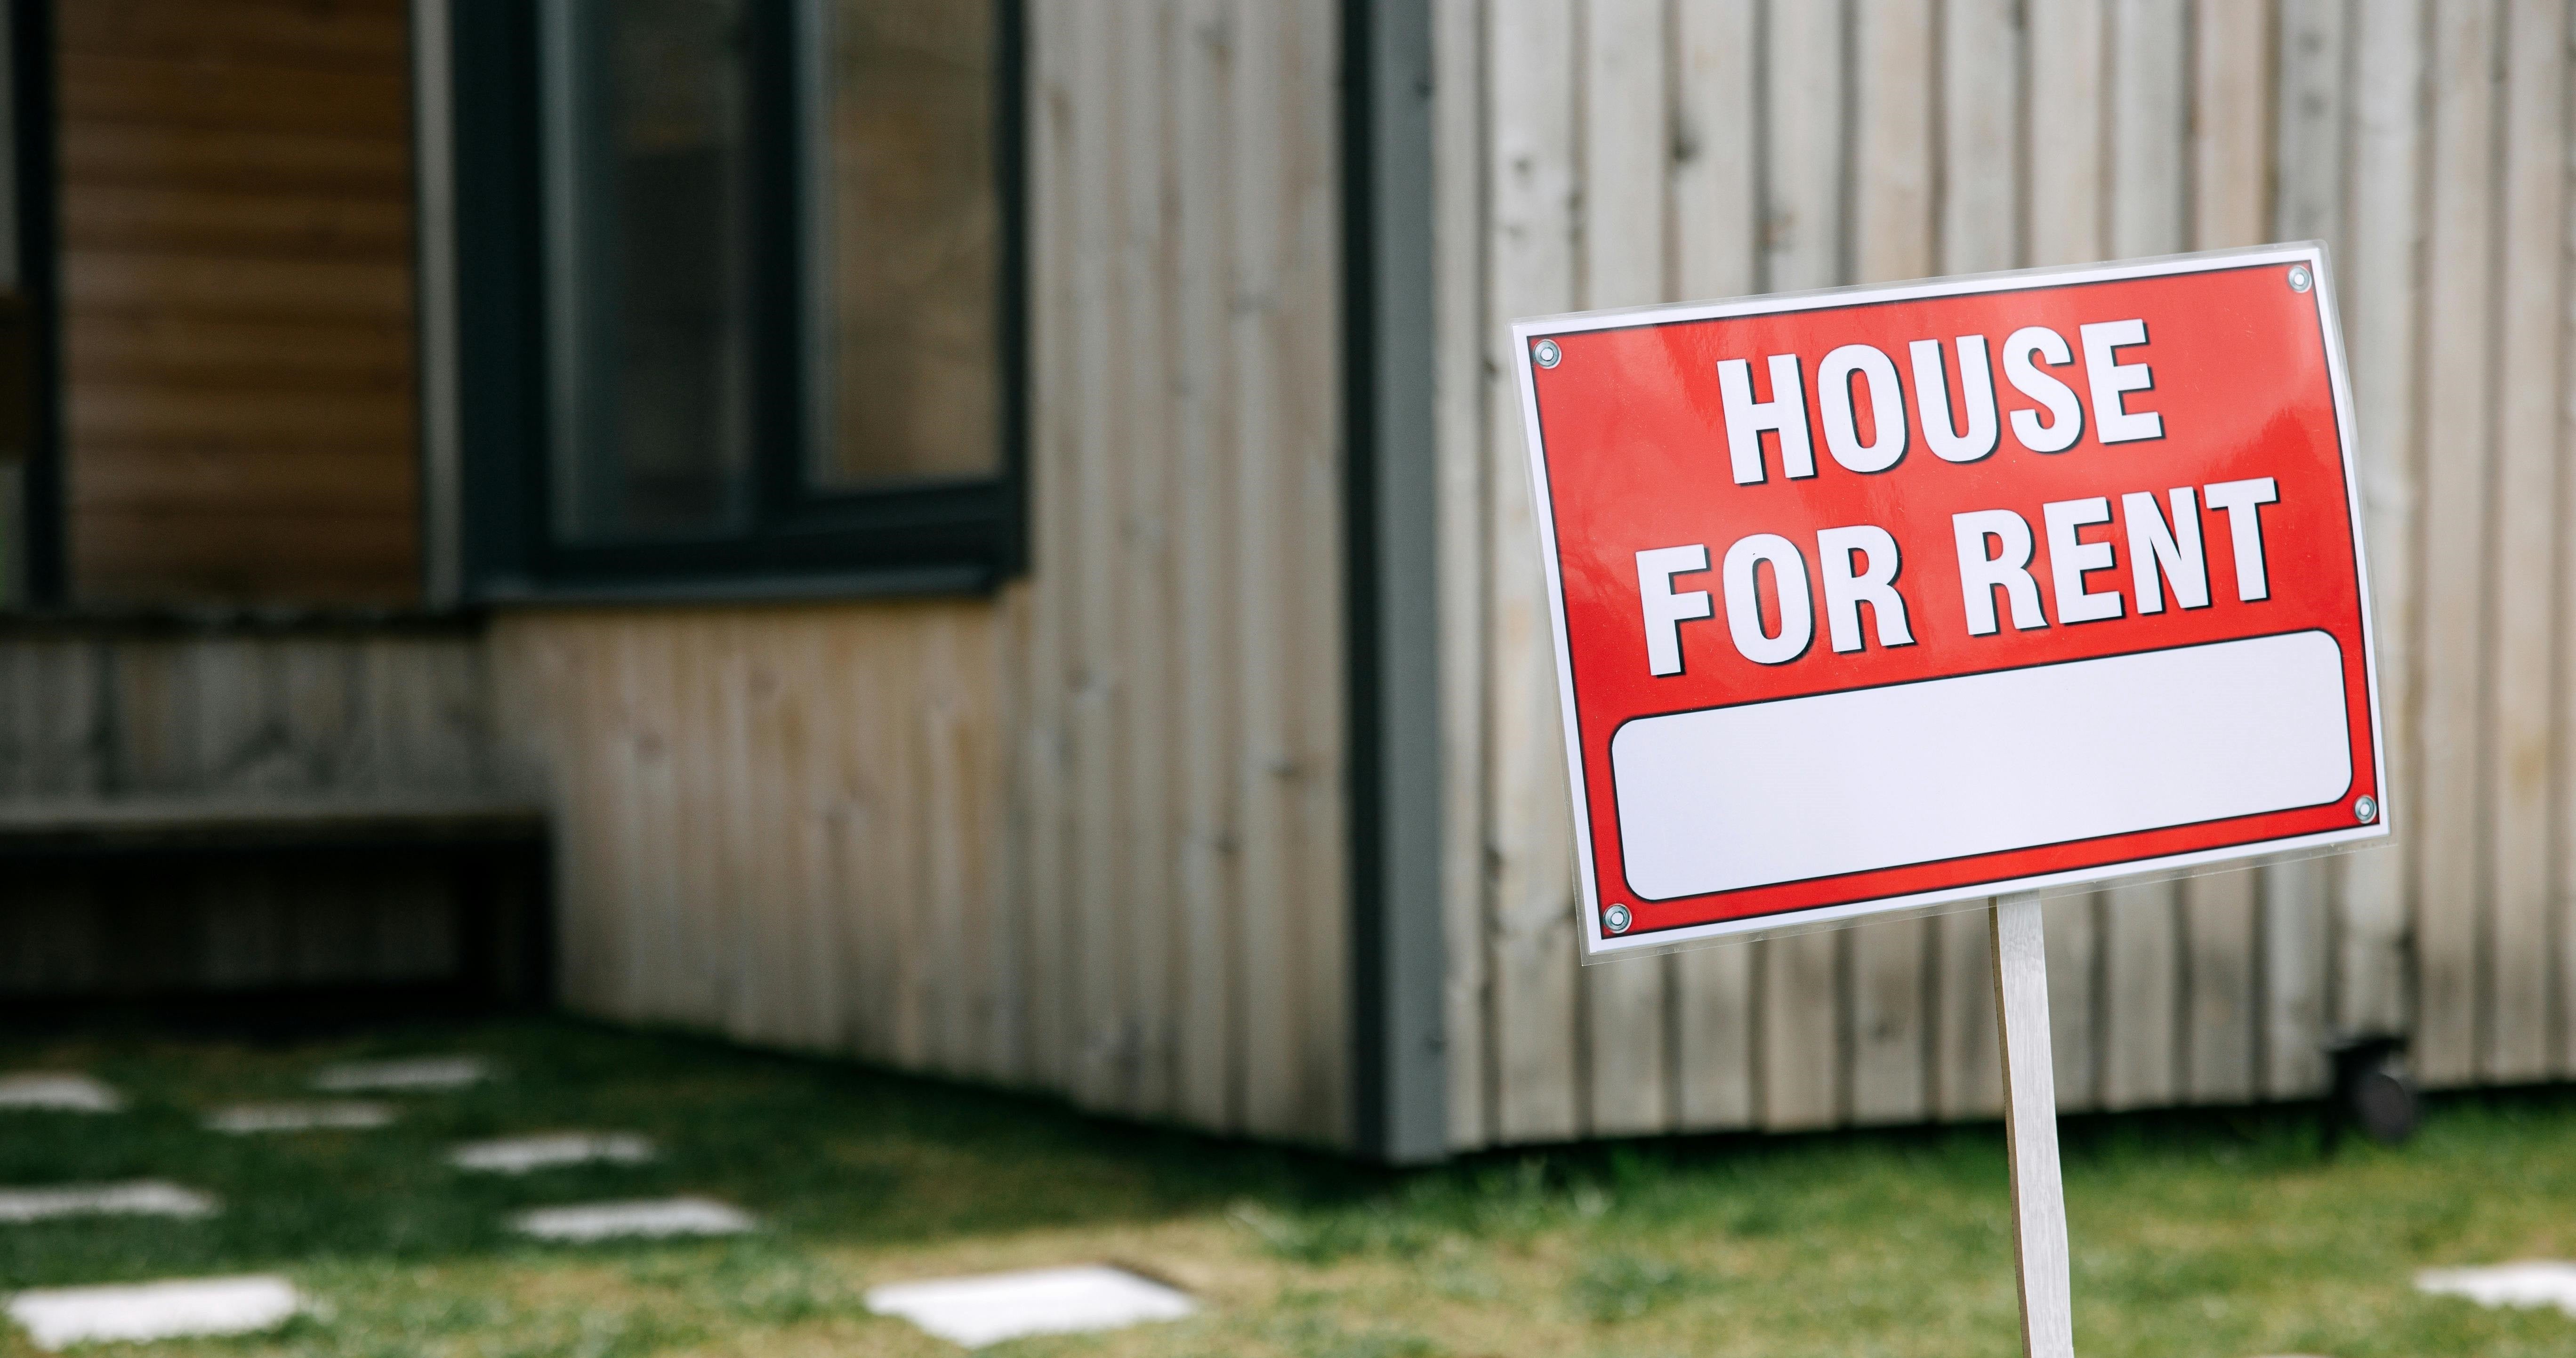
277, 937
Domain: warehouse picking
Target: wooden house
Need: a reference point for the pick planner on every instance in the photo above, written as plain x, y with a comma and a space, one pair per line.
990, 539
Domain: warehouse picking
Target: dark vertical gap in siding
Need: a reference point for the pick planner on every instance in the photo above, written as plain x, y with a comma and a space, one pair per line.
2555, 1001
1757, 1072
2482, 927
1012, 72
2021, 152
2419, 426
1931, 1009
1171, 58
1369, 1102
2258, 980
43, 504
2106, 168
1668, 282
1489, 1047
1846, 998
1578, 224
2267, 904
2185, 1084
1237, 945
1846, 152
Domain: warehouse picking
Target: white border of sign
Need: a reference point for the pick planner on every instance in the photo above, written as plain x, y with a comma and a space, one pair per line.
1596, 947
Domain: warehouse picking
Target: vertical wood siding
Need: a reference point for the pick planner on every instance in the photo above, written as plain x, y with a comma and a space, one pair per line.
1627, 151
776, 823
1088, 836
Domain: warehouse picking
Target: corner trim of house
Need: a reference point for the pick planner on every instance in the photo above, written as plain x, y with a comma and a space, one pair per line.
1398, 961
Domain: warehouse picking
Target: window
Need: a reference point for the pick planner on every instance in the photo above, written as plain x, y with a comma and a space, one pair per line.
907, 231
651, 205
739, 300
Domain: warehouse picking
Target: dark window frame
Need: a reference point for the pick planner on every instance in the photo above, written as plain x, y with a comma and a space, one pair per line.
44, 548
938, 537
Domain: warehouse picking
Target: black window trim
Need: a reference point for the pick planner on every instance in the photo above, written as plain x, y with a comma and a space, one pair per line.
43, 568
939, 537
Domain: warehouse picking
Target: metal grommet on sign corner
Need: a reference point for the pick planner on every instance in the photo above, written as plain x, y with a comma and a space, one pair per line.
2300, 279
1617, 919
2365, 809
1547, 354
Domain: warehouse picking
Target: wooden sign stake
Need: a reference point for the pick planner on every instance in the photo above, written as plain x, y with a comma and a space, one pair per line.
2030, 1128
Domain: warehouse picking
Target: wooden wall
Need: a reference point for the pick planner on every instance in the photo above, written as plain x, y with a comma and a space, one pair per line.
102, 718
1610, 152
119, 712
1087, 837
784, 823
237, 300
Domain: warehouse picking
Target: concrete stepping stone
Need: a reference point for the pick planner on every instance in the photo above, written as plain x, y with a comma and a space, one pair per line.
525, 1154
2541, 1282
58, 1317
647, 1217
57, 1092
993, 1307
410, 1075
140, 1198
342, 1116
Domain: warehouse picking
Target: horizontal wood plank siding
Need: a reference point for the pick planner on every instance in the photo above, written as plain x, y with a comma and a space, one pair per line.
237, 301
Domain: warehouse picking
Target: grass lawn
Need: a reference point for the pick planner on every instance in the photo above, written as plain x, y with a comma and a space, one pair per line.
2210, 1235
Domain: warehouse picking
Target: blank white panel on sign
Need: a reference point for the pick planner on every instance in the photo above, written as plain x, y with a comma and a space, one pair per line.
1735, 797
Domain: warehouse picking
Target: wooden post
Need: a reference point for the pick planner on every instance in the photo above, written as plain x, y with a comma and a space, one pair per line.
2030, 1128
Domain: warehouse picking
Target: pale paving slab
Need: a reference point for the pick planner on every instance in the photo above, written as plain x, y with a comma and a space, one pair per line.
339, 1116
996, 1306
53, 1091
2538, 1282
62, 1316
648, 1217
410, 1075
139, 1198
525, 1154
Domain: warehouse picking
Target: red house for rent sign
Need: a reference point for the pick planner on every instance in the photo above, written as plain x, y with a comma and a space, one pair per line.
1879, 599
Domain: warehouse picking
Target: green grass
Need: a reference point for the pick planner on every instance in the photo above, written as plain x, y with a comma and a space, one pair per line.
2212, 1234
